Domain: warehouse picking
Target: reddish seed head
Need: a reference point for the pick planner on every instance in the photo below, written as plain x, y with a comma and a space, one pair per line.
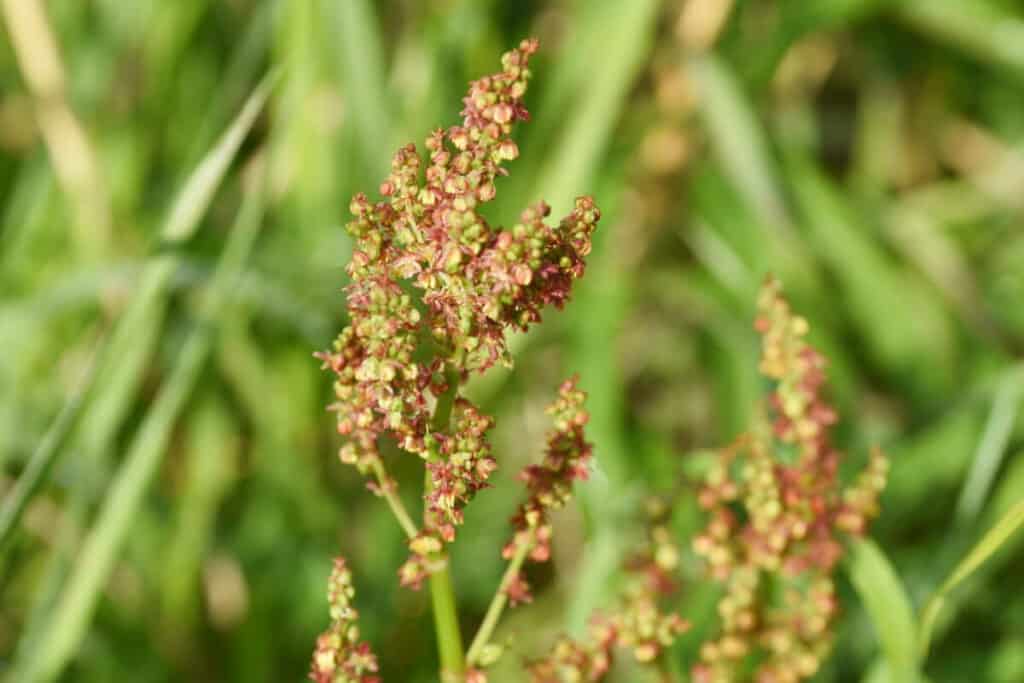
787, 481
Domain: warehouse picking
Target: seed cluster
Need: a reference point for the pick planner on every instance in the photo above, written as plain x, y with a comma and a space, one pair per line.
638, 624
339, 656
434, 289
549, 483
776, 508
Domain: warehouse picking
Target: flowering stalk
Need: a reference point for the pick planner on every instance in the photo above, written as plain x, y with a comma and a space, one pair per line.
776, 510
434, 290
549, 484
340, 657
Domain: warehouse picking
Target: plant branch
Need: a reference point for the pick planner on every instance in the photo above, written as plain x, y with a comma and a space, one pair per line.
387, 490
443, 409
498, 602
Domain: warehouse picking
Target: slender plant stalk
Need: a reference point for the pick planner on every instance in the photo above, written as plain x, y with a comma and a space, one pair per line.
442, 593
393, 501
498, 602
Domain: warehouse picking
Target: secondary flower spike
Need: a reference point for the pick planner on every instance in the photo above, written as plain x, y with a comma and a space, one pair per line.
339, 656
776, 511
549, 482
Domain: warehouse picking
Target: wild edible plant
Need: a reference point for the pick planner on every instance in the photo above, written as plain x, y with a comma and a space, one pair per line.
434, 291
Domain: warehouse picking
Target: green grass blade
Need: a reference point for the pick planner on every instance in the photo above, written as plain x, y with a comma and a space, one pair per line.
138, 329
195, 197
992, 447
248, 57
737, 138
989, 544
210, 467
362, 70
136, 333
888, 605
980, 28
924, 243
624, 36
43, 458
882, 297
78, 602
762, 224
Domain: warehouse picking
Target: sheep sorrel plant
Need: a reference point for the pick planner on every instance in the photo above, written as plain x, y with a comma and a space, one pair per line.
434, 289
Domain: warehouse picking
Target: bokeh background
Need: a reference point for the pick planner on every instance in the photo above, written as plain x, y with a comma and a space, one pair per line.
163, 285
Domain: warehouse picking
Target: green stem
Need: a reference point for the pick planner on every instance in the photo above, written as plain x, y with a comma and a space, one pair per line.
442, 594
446, 623
445, 402
498, 602
668, 667
394, 502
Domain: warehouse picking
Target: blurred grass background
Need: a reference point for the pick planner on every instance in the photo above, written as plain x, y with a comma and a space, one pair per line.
172, 252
